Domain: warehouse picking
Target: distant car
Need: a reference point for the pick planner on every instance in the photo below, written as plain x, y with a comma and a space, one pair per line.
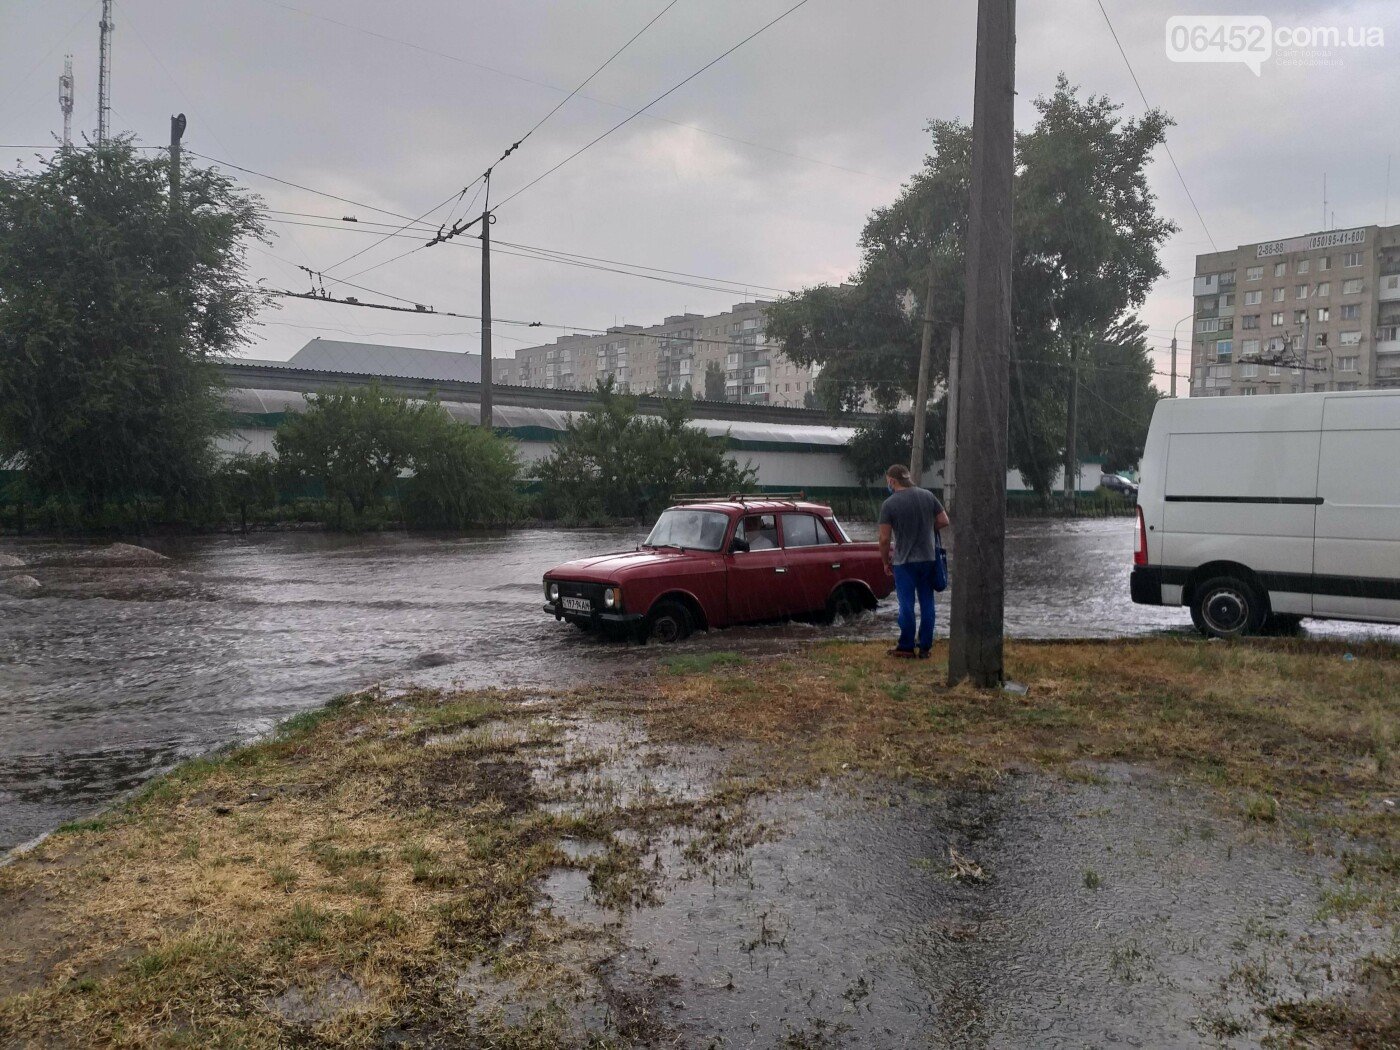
716, 562
1118, 483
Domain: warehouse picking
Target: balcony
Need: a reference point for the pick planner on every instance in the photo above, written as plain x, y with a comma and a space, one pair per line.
1389, 288
1207, 284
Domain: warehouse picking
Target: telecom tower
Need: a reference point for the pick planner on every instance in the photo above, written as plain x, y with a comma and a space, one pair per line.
65, 99
104, 74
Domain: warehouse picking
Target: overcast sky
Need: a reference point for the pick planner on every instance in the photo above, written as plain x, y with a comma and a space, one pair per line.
762, 169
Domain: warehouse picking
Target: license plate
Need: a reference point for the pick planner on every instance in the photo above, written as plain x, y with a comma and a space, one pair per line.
578, 605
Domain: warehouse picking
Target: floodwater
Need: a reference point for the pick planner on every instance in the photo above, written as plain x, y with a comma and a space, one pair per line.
115, 669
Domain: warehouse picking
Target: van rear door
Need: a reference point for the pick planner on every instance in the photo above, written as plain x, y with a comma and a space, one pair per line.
1357, 560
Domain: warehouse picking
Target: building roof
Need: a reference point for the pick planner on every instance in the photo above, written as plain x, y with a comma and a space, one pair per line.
404, 362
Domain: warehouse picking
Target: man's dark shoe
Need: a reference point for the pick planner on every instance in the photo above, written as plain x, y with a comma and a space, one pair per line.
924, 654
902, 654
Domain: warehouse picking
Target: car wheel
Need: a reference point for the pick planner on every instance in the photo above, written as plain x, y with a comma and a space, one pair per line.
669, 622
1225, 607
845, 604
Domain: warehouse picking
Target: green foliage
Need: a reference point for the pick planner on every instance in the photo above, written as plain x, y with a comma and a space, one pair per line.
889, 439
245, 483
112, 305
1087, 237
365, 445
614, 463
462, 475
714, 382
356, 442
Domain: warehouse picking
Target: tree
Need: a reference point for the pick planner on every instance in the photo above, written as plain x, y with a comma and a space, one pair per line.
248, 483
113, 304
714, 382
616, 463
462, 475
356, 442
1087, 242
888, 439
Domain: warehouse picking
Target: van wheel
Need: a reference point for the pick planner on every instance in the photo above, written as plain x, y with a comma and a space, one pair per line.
669, 622
1225, 607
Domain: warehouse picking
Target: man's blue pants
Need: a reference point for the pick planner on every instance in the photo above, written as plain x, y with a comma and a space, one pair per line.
915, 579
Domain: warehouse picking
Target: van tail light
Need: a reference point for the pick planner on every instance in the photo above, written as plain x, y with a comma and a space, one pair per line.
1140, 553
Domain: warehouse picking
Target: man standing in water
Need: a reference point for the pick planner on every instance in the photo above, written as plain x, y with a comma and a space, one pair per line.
912, 514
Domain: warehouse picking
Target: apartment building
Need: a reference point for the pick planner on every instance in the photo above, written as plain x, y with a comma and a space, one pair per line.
1309, 313
673, 356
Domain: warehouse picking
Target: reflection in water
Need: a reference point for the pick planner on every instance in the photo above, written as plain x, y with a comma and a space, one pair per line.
114, 672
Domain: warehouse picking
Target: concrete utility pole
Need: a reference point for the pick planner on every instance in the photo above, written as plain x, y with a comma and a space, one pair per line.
1072, 428
177, 132
1178, 324
65, 99
486, 219
979, 530
916, 454
104, 73
950, 440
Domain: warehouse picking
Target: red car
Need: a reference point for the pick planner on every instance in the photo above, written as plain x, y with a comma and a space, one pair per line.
720, 561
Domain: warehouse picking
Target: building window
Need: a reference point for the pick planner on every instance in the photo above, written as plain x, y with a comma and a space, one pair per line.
1280, 294
1301, 292
1325, 263
1348, 386
1249, 346
1350, 312
1303, 265
1218, 371
1227, 301
1352, 287
1249, 321
1275, 370
1254, 273
1388, 334
1280, 269
1299, 316
1250, 371
1348, 364
1349, 339
1277, 319
1253, 298
1208, 324
1223, 349
1351, 259
1248, 390
1321, 338
1324, 313
1323, 289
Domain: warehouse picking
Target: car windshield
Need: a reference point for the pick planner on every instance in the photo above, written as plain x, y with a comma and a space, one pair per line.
700, 530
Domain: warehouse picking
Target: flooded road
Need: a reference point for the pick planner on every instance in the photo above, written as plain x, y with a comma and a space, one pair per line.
119, 667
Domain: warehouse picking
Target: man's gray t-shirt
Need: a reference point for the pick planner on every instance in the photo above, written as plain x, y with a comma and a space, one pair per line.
911, 513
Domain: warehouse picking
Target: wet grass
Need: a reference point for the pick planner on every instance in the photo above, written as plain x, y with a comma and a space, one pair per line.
393, 843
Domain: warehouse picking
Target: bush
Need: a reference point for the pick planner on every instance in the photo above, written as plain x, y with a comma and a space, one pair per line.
366, 446
613, 463
462, 476
246, 483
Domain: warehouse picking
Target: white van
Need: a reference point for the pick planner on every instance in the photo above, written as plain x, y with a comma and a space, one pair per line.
1258, 511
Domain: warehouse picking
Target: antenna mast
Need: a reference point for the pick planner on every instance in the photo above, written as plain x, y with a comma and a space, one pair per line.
65, 99
104, 74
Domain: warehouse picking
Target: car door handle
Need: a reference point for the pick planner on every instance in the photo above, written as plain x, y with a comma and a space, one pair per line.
836, 565
779, 569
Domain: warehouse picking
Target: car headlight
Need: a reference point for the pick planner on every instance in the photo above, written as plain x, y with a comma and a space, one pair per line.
551, 591
612, 597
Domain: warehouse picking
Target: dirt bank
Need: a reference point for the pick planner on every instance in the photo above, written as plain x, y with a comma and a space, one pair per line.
1162, 843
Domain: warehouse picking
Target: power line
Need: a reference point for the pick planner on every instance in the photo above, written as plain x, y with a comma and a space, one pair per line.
632, 116
1165, 145
298, 186
411, 222
591, 98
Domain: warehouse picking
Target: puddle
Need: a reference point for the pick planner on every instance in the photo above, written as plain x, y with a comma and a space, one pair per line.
1125, 912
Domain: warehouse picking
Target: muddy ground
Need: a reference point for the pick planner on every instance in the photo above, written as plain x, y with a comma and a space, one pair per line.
606, 868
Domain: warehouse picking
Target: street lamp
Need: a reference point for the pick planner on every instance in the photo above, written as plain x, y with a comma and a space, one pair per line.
1174, 328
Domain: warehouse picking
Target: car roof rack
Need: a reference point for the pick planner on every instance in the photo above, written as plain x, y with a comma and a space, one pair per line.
737, 497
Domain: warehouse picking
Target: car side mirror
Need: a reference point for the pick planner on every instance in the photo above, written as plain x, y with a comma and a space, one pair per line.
738, 546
